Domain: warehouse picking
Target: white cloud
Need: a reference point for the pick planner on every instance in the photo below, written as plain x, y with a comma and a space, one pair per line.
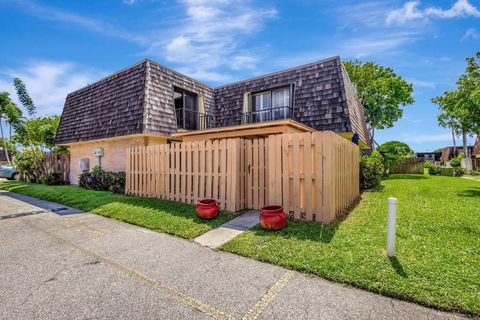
422, 138
48, 82
244, 61
408, 12
211, 33
50, 13
471, 33
375, 44
411, 11
461, 8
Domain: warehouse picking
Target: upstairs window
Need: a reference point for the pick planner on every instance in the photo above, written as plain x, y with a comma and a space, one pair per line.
275, 104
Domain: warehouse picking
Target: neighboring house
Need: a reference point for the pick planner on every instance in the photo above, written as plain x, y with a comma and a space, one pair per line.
450, 152
430, 156
476, 148
148, 103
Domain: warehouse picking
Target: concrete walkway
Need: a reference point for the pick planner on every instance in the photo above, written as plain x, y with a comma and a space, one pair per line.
70, 265
227, 231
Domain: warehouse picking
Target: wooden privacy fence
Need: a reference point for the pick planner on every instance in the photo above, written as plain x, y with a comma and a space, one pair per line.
411, 165
314, 176
58, 163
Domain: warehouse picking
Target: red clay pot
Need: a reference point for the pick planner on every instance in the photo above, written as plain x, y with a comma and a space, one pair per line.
207, 208
273, 218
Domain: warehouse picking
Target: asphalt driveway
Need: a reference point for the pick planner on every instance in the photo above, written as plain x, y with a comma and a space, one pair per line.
59, 263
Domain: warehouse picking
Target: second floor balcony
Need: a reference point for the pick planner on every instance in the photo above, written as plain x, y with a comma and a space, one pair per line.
270, 114
188, 119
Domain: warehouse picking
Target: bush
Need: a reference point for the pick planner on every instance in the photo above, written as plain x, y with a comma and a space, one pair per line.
459, 172
447, 171
427, 164
372, 171
28, 164
434, 170
475, 172
54, 179
101, 180
457, 161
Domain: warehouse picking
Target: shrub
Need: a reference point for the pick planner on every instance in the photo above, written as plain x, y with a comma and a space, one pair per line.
447, 171
475, 172
459, 172
457, 161
101, 180
28, 164
434, 170
371, 171
53, 179
427, 164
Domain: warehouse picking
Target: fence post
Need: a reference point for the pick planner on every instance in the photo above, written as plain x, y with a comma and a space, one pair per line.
392, 223
232, 173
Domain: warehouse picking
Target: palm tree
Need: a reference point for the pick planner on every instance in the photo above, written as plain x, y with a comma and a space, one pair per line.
12, 115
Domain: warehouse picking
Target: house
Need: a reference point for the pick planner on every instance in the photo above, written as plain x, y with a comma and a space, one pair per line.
148, 103
450, 152
430, 156
476, 148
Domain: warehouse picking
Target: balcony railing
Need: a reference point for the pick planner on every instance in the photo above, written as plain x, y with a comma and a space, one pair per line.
278, 113
188, 119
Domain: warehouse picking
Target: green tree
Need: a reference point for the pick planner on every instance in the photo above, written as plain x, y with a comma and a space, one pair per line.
24, 97
460, 108
39, 132
382, 92
12, 115
395, 152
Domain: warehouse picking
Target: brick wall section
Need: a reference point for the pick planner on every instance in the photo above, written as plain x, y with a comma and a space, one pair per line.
109, 108
114, 150
159, 115
319, 100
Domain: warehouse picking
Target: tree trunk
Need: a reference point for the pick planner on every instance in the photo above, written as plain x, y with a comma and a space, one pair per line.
3, 142
372, 136
465, 144
454, 142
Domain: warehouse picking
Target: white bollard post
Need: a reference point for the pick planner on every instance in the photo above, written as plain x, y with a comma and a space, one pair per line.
392, 224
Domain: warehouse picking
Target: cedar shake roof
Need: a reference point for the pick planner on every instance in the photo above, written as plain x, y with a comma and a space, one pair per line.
139, 99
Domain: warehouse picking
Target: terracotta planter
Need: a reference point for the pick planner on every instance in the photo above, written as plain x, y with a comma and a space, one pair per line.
207, 208
273, 218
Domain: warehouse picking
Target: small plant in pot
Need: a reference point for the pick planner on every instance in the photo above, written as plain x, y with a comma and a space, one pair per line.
273, 217
207, 208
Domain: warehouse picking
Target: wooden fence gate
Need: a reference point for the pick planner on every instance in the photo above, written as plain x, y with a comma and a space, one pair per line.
314, 176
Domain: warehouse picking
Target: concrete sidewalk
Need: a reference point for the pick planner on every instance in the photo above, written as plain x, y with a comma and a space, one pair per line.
66, 264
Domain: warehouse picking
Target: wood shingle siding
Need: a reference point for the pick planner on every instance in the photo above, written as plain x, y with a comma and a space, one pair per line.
111, 107
139, 99
159, 116
324, 98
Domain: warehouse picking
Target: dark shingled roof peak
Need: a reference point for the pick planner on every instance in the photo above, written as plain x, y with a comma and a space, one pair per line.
139, 99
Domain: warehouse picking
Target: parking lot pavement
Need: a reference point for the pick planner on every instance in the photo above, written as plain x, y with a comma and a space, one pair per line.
65, 264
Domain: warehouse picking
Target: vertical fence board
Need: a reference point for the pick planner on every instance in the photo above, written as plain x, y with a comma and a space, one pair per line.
315, 175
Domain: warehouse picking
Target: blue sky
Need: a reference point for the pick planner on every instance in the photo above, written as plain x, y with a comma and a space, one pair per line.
59, 46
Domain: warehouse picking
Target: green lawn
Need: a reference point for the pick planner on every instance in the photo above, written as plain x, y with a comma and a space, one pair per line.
166, 216
438, 243
473, 177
